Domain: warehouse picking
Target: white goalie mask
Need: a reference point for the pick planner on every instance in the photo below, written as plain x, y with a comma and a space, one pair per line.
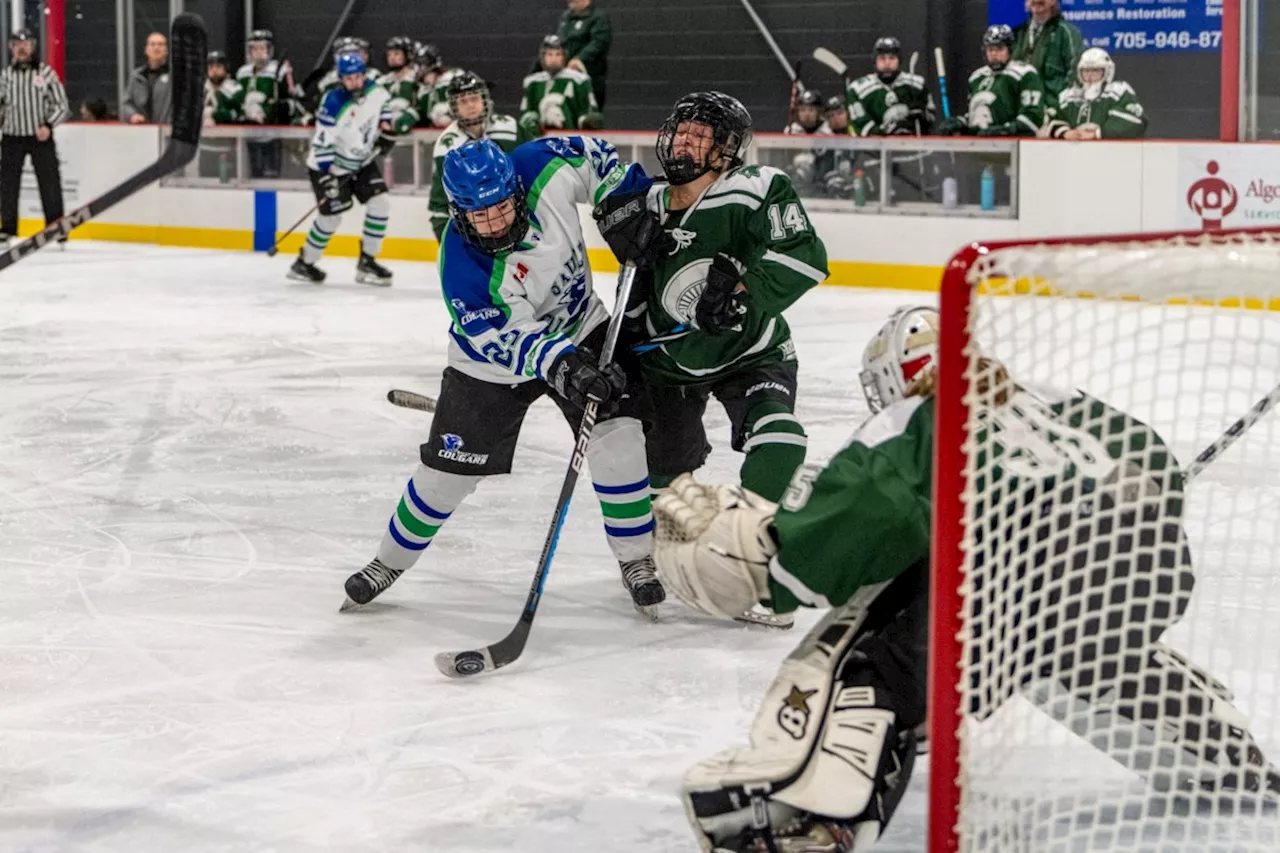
1095, 59
905, 347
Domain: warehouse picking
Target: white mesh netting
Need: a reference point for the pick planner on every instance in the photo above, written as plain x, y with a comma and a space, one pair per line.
1104, 593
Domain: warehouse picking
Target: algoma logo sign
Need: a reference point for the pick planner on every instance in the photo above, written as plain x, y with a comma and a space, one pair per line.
1212, 198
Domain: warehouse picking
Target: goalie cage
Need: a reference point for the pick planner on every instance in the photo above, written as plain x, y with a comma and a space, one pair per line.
1181, 332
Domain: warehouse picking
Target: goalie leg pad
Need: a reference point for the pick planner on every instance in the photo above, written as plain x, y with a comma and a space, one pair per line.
833, 745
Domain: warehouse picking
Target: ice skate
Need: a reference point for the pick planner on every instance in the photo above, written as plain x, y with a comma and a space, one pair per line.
303, 271
641, 580
369, 271
368, 583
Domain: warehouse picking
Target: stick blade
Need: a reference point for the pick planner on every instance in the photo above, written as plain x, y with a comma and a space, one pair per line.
829, 59
465, 664
188, 53
411, 400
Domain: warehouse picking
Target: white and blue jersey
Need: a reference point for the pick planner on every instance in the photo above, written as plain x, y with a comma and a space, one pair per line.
515, 313
347, 129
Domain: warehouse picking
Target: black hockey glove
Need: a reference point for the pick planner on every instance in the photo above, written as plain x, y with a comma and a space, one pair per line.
577, 378
954, 126
336, 194
721, 306
386, 141
630, 228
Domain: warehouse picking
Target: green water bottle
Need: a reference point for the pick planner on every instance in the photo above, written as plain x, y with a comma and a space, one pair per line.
224, 168
859, 189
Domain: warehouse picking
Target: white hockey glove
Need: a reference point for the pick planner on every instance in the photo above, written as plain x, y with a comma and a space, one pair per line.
714, 545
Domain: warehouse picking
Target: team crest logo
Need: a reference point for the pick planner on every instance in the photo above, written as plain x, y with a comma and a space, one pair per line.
684, 289
453, 451
452, 443
793, 716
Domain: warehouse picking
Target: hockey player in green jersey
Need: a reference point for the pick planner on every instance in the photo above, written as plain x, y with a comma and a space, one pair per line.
473, 118
222, 97
739, 249
1101, 107
557, 97
889, 101
854, 538
267, 98
435, 78
401, 80
1006, 98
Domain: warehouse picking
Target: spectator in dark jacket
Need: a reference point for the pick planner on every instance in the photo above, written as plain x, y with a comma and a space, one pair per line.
1052, 45
587, 35
148, 99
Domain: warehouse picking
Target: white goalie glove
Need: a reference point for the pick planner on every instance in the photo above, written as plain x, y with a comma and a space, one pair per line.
714, 545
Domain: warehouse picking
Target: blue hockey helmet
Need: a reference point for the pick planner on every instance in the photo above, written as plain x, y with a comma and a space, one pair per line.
478, 177
351, 63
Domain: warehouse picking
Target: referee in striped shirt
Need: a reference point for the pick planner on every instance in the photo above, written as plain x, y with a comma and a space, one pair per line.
32, 103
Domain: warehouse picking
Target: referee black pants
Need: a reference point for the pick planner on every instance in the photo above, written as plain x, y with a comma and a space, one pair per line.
44, 159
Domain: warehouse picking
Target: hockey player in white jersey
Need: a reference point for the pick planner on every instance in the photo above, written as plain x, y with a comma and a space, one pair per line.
526, 321
352, 128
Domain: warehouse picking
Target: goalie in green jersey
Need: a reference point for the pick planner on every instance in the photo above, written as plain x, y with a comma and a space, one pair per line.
473, 118
890, 101
1006, 98
834, 741
735, 249
557, 97
1101, 107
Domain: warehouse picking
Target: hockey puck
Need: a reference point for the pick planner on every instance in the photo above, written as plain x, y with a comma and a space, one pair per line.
468, 663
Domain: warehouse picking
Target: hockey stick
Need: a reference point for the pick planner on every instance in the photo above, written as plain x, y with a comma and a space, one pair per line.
683, 330
275, 250
508, 649
942, 81
1231, 436
188, 48
411, 400
829, 59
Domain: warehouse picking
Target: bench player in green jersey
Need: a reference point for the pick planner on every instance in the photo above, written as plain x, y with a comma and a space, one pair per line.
473, 118
557, 97
854, 537
1006, 97
739, 249
889, 101
401, 80
1101, 107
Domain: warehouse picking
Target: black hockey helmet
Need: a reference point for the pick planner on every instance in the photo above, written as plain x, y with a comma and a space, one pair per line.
835, 102
887, 45
730, 125
405, 45
265, 36
1001, 35
344, 44
809, 98
551, 42
427, 56
217, 57
466, 83
23, 34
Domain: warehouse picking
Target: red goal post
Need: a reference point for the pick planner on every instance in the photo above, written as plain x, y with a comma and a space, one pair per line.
1136, 294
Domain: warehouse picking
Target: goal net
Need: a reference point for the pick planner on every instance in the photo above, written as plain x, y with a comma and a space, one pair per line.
1106, 607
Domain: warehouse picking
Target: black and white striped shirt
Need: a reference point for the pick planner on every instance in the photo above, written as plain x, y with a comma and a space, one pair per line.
31, 97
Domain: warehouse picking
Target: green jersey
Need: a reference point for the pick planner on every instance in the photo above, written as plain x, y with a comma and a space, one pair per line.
1115, 112
224, 103
503, 130
753, 215
1008, 102
878, 109
866, 517
563, 102
435, 103
407, 97
266, 96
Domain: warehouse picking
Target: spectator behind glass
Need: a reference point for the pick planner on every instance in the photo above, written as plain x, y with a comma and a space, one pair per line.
1052, 45
95, 109
148, 99
587, 35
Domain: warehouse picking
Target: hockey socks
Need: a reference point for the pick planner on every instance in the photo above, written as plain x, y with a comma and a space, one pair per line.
775, 447
322, 231
620, 476
429, 498
376, 215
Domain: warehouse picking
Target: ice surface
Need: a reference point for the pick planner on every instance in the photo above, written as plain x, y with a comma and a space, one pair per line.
195, 453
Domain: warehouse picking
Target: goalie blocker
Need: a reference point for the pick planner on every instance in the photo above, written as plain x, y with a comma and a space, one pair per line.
832, 745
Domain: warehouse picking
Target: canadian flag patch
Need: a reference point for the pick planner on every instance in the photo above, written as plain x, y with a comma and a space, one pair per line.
521, 272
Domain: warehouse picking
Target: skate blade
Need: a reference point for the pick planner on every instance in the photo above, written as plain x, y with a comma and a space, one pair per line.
349, 604
373, 281
649, 611
767, 619
302, 278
